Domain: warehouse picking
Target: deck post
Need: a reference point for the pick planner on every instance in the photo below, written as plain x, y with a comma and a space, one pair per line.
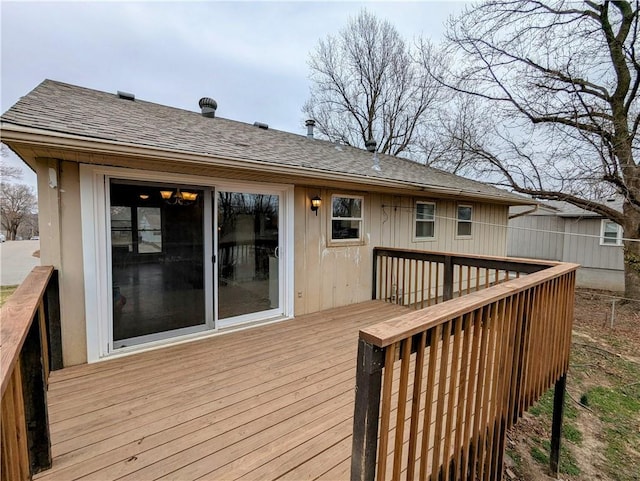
556, 426
367, 411
35, 401
447, 292
52, 303
374, 277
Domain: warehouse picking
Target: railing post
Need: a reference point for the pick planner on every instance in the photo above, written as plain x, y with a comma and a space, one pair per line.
35, 401
374, 277
556, 426
367, 411
447, 292
52, 305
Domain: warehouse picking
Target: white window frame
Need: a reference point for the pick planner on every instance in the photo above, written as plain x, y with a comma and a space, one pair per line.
618, 239
343, 242
458, 221
416, 237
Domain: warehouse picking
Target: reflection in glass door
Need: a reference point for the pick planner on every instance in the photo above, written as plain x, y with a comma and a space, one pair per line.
157, 253
248, 255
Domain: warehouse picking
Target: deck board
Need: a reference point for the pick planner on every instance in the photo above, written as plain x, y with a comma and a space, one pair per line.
271, 402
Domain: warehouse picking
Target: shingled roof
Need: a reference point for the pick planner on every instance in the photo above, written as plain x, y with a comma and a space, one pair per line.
57, 108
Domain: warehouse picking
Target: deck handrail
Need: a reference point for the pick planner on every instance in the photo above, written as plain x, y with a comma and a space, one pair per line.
30, 333
419, 279
437, 388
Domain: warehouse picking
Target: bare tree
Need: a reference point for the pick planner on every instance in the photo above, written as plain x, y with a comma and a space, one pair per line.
17, 203
557, 82
8, 172
367, 86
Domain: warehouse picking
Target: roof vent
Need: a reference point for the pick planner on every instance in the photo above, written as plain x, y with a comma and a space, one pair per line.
370, 145
376, 162
208, 107
260, 125
126, 95
310, 124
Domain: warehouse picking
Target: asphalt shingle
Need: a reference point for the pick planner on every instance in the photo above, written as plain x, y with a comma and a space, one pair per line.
67, 109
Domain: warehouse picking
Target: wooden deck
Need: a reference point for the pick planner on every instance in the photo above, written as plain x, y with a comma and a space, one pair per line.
272, 402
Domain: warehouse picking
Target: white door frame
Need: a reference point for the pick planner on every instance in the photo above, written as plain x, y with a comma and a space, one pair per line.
94, 200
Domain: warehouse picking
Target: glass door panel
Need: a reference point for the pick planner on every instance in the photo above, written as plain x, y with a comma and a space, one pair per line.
248, 249
157, 254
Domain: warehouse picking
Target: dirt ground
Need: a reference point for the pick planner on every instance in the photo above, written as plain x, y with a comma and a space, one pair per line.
605, 355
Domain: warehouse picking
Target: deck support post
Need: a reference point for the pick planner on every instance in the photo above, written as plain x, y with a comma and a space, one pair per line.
54, 332
556, 426
34, 388
447, 292
367, 411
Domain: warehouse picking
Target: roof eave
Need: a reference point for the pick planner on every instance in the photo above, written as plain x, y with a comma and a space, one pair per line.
14, 133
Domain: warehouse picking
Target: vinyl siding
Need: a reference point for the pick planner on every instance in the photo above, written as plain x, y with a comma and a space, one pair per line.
587, 251
330, 276
532, 236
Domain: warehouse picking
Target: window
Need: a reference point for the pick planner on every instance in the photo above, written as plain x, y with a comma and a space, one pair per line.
346, 217
464, 220
611, 233
425, 220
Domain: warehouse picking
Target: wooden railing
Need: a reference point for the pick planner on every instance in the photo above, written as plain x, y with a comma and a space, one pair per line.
420, 279
437, 388
30, 330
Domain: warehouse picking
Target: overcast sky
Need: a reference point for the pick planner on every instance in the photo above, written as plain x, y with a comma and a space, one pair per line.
251, 57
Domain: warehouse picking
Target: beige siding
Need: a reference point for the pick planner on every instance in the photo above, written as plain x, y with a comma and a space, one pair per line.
532, 236
582, 246
331, 276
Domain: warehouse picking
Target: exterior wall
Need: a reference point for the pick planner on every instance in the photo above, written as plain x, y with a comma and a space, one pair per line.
331, 276
61, 246
607, 279
587, 251
602, 267
324, 276
525, 238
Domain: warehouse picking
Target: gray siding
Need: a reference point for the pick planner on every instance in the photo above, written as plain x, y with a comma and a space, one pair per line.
579, 243
532, 236
587, 251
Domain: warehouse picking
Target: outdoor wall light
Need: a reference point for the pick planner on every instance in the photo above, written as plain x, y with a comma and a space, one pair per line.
144, 196
315, 204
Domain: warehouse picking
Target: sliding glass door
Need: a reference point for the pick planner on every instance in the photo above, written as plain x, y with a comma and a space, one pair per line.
248, 231
157, 262
186, 259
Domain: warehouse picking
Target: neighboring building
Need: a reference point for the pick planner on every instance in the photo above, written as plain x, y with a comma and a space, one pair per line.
167, 224
563, 232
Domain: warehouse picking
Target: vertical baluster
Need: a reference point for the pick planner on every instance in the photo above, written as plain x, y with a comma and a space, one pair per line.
423, 287
453, 395
437, 281
402, 407
390, 356
463, 404
415, 403
429, 290
476, 438
442, 386
434, 340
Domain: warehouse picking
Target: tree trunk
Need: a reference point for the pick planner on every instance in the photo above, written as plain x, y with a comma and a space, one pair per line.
631, 252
